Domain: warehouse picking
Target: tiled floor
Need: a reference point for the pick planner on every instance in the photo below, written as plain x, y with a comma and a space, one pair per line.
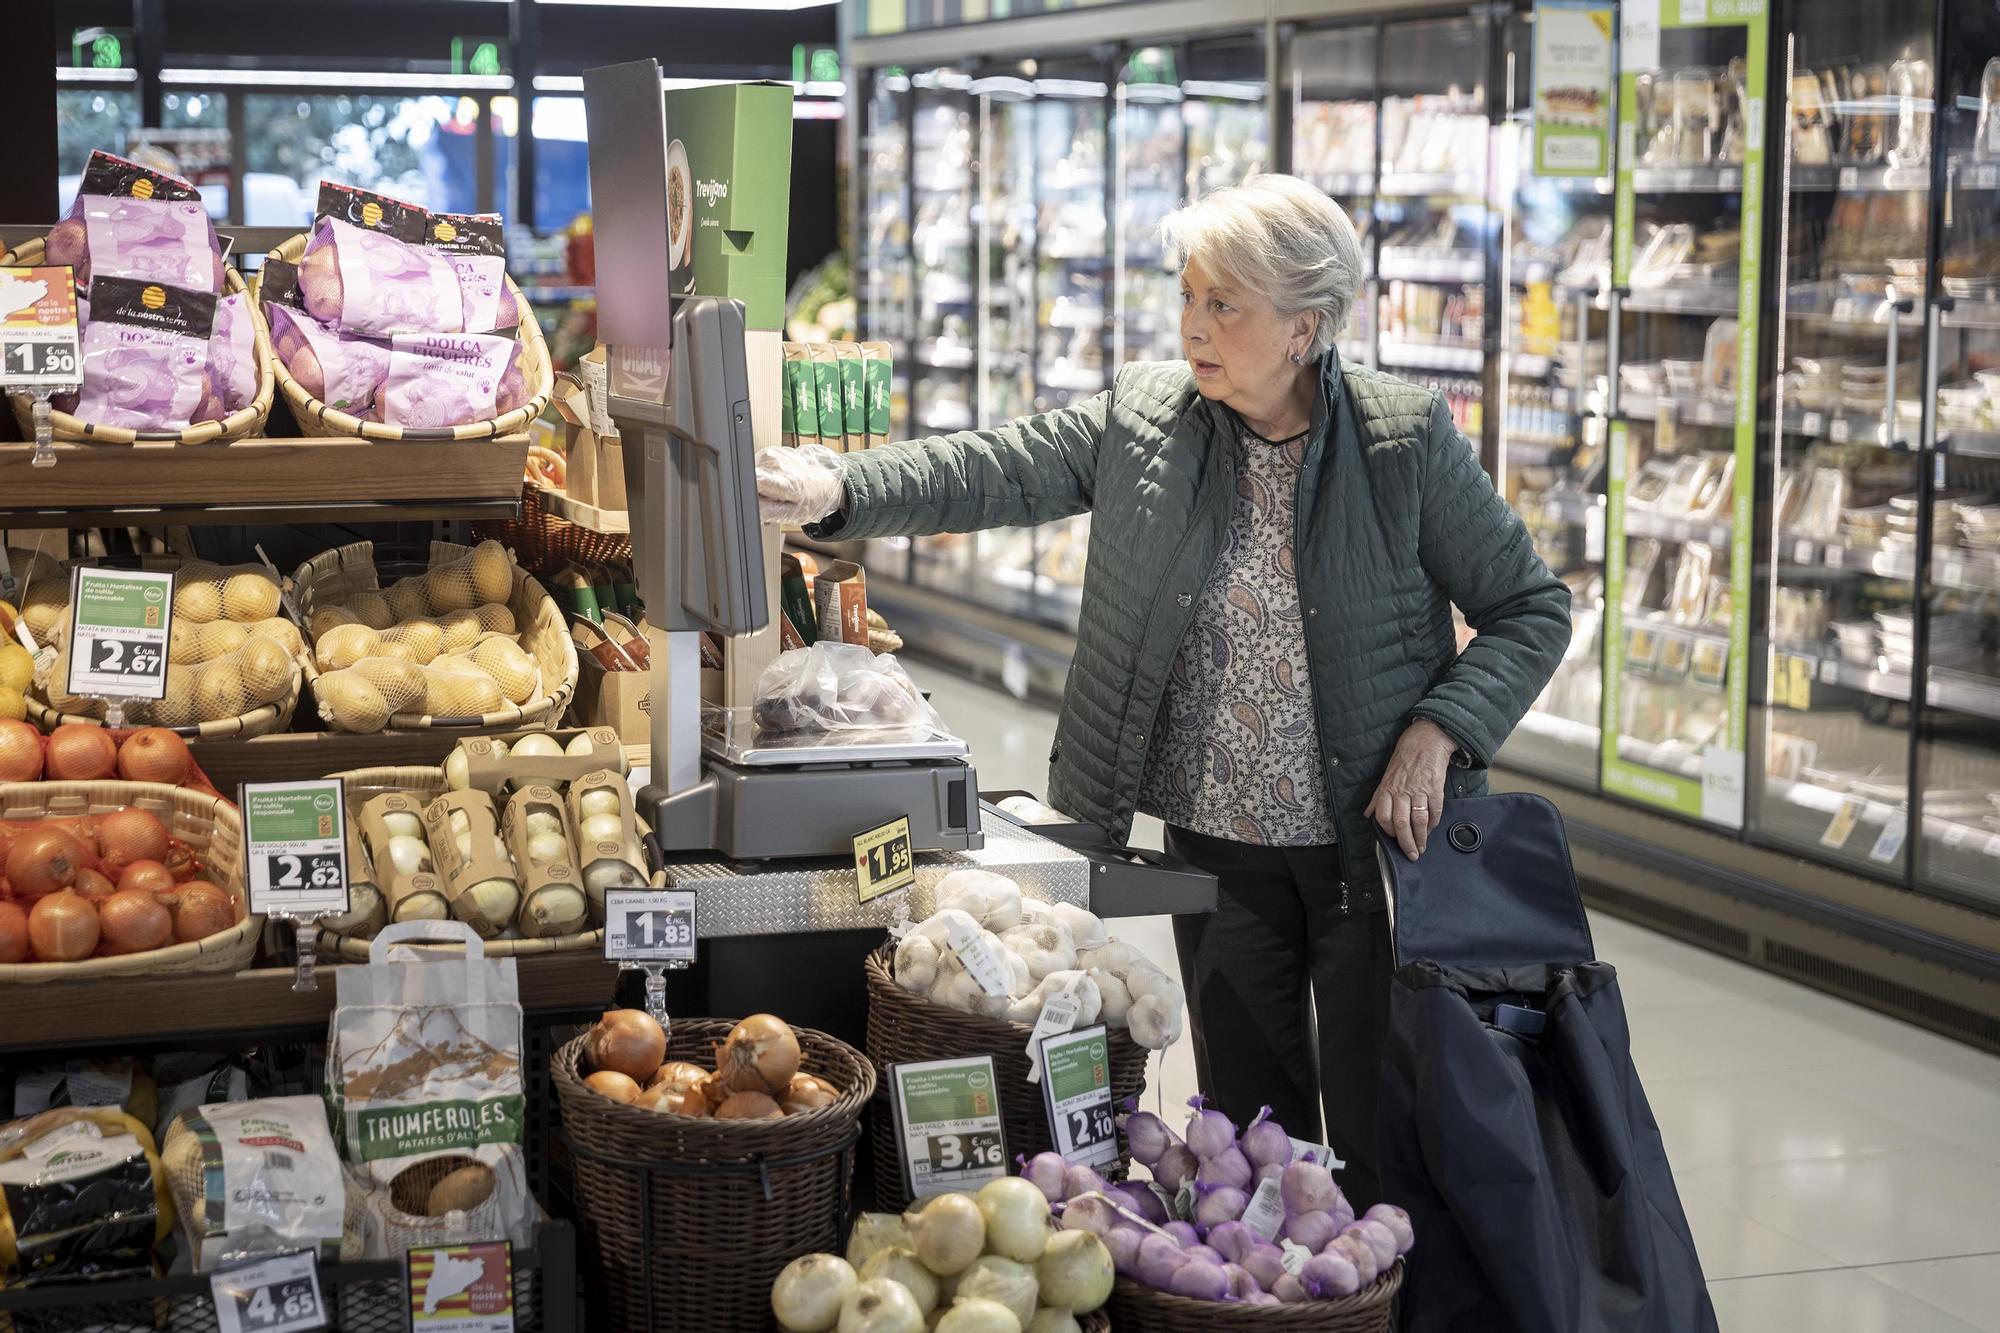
1841, 1170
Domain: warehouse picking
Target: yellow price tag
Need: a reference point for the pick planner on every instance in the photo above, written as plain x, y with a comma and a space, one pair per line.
884, 860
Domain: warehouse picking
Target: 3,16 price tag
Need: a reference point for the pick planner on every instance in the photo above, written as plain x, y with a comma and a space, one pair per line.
948, 1114
649, 926
1076, 1091
295, 845
118, 632
279, 1295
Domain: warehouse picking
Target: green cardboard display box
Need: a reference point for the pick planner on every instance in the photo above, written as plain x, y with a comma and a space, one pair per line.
729, 179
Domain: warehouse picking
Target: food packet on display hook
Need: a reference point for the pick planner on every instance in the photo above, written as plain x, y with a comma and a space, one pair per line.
367, 269
448, 379
475, 247
840, 687
145, 354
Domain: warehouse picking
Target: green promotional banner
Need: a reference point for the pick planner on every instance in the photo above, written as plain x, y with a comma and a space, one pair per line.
1707, 784
1573, 71
729, 194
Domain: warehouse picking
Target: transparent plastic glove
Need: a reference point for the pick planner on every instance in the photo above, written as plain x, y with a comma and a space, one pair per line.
799, 485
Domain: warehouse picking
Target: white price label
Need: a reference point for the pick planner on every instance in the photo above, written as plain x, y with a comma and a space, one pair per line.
279, 1295
1954, 835
649, 926
1058, 1014
1265, 1212
986, 967
1992, 847
38, 337
1076, 1093
119, 621
948, 1119
295, 848
1306, 1150
1293, 1256
1841, 827
1888, 843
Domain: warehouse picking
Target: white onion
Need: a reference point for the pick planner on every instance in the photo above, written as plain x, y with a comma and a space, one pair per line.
409, 855
1003, 1280
402, 824
880, 1306
877, 1231
1053, 1319
901, 1265
545, 847
537, 746
579, 746
494, 900
463, 842
1017, 1218
598, 801
500, 849
976, 1314
808, 1295
543, 821
949, 1232
457, 770
602, 828
1075, 1271
609, 874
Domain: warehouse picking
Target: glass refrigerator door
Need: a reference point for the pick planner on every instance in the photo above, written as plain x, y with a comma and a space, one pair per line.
1148, 143
885, 232
1683, 397
1431, 219
1555, 331
1958, 850
1006, 224
1330, 78
1225, 111
1071, 190
1849, 348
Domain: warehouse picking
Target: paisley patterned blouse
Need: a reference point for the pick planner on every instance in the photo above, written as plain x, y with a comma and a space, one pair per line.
1236, 753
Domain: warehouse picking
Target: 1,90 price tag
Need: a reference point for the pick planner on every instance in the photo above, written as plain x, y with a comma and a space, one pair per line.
1076, 1092
948, 1115
279, 1295
295, 845
119, 621
649, 926
38, 340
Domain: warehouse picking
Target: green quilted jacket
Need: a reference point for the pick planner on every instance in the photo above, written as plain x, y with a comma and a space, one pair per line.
1397, 522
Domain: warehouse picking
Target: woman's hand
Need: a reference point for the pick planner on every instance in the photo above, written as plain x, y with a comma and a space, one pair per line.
1409, 802
800, 485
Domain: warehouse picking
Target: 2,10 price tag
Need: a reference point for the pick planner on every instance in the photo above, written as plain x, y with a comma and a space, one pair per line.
649, 926
1076, 1092
295, 845
279, 1295
119, 620
38, 340
948, 1115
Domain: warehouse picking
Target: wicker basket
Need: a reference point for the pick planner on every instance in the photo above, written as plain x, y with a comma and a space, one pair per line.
687, 1221
237, 425
547, 541
208, 824
903, 1027
1367, 1311
259, 721
364, 784
345, 570
317, 419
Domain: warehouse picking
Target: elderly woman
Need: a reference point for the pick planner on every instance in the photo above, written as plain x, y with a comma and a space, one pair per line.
1265, 657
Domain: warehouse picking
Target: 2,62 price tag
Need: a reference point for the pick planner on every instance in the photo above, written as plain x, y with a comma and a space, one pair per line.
948, 1115
118, 632
279, 1295
295, 845
1076, 1092
649, 926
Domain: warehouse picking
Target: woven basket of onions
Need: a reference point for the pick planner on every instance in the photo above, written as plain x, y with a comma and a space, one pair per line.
135, 878
1136, 1305
690, 1204
903, 1027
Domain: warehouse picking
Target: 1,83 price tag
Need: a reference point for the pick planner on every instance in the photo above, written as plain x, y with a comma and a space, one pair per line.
38, 343
649, 926
295, 845
118, 632
1076, 1092
279, 1295
884, 860
948, 1117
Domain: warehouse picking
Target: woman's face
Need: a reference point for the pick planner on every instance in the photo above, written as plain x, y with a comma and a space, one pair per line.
1235, 341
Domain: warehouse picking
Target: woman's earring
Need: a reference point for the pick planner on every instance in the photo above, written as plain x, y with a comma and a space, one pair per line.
1297, 359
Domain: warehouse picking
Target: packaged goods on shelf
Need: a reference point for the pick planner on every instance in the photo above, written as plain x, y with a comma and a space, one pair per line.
80, 1171
258, 1178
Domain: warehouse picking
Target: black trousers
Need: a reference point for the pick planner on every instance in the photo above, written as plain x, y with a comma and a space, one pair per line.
1288, 997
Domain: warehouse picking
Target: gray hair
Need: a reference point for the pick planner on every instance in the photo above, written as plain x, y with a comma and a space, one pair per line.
1281, 238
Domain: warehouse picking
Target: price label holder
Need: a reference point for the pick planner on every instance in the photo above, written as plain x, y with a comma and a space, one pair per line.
276, 1295
948, 1122
1841, 827
119, 620
39, 351
1955, 836
1666, 427
1076, 1092
884, 860
460, 1288
1888, 842
295, 857
653, 931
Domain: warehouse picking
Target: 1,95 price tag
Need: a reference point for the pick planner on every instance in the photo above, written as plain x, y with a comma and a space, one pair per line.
38, 346
948, 1117
649, 926
278, 1295
295, 848
884, 860
1076, 1091
118, 632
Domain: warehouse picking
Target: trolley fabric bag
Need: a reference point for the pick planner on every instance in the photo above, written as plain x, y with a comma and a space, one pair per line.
1511, 1122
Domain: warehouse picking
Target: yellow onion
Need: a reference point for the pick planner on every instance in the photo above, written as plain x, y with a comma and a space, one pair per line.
761, 1054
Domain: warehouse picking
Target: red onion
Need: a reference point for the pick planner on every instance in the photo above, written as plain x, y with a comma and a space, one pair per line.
1157, 1258
1233, 1239
1328, 1275
1312, 1230
1208, 1132
1176, 1166
1123, 1242
1224, 1203
1289, 1290
1265, 1262
1045, 1172
1398, 1223
1228, 1167
1241, 1285
1265, 1143
1359, 1252
1343, 1211
1378, 1238
1182, 1232
1148, 1136
1205, 1254
1201, 1281
1141, 1200
1079, 1180
1305, 1187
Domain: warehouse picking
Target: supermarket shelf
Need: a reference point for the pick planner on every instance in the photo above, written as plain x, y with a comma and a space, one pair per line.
1413, 265
945, 358
1417, 184
1077, 379
1971, 443
1347, 183
1354, 350
1639, 523
1845, 428
340, 479
1687, 180
1530, 365
1712, 301
1975, 175
557, 292
617, 522
1685, 411
1951, 567
1964, 692
1967, 314
1959, 691
1849, 179
1462, 356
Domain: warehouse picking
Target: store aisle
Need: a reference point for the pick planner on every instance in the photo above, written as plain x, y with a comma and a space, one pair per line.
1841, 1170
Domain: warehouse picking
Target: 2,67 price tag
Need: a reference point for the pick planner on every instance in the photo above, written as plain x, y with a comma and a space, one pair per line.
118, 632
649, 926
1076, 1092
279, 1295
295, 839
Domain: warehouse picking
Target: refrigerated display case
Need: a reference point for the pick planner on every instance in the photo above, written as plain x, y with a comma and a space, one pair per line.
1071, 193
1149, 146
943, 352
1226, 112
886, 296
1330, 81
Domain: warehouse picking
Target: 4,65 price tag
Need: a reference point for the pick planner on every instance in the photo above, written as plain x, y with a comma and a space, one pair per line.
295, 845
38, 347
884, 860
118, 632
649, 926
948, 1115
278, 1295
1076, 1091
